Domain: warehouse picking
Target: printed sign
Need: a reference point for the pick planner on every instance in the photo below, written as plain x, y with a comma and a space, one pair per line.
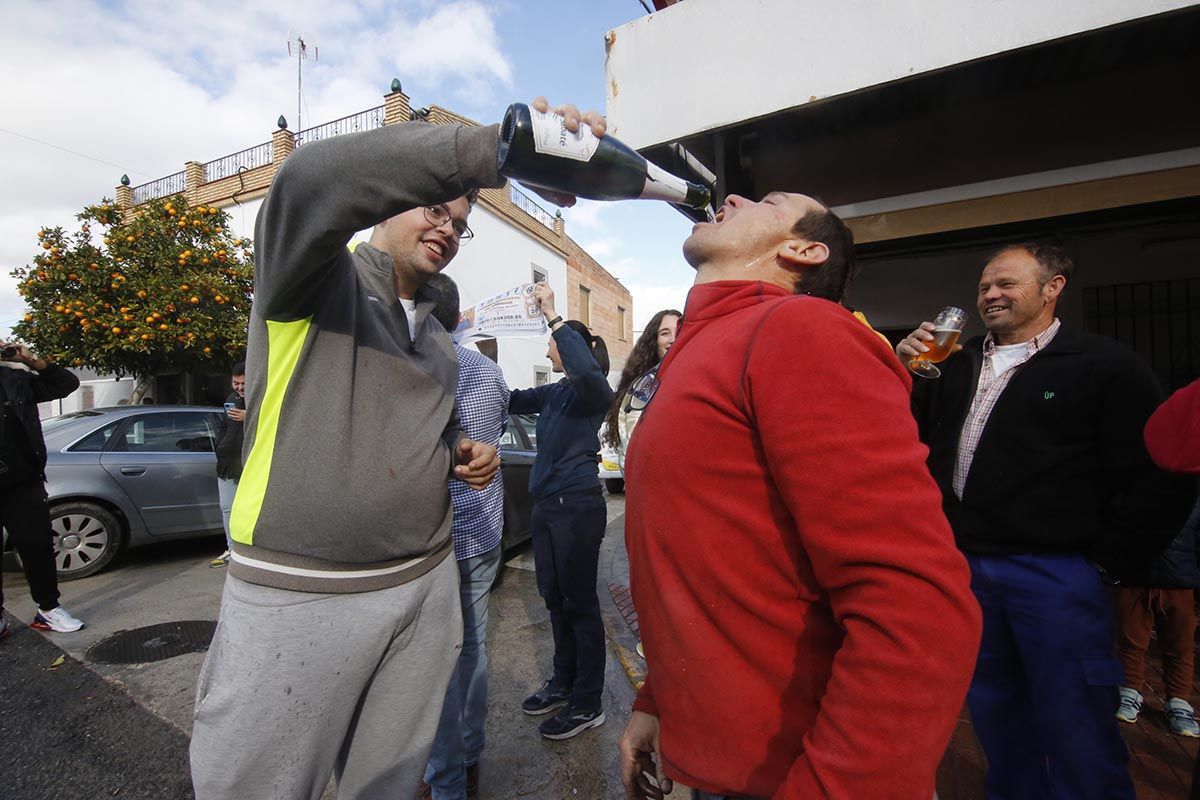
512, 313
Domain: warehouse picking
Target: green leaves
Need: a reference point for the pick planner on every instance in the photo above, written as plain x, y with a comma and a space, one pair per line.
167, 287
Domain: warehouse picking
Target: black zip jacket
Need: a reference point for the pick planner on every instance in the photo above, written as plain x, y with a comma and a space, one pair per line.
24, 390
1061, 466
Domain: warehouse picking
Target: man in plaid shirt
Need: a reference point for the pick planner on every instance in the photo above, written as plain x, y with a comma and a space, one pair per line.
481, 402
1035, 439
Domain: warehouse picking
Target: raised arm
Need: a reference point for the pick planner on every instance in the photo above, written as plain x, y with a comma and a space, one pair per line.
327, 191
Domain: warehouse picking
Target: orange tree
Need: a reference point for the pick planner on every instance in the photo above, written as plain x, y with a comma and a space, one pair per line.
167, 286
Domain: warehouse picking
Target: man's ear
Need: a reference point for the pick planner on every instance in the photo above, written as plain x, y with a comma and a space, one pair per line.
800, 254
1053, 288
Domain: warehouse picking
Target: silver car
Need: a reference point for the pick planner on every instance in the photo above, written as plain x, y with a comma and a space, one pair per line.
133, 475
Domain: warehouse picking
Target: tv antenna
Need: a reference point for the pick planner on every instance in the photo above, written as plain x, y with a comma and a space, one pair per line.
299, 47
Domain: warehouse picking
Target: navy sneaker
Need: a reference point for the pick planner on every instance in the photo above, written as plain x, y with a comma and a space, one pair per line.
545, 700
569, 722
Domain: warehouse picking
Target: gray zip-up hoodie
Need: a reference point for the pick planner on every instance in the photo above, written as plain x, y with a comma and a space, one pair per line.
350, 419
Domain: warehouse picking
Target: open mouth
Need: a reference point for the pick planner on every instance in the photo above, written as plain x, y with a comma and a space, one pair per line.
437, 248
994, 309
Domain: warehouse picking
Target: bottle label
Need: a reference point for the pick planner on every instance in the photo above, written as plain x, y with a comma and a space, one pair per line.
551, 137
662, 185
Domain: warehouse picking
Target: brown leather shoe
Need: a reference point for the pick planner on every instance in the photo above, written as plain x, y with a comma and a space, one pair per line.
473, 780
424, 792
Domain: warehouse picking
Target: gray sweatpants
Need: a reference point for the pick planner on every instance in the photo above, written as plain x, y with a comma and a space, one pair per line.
297, 687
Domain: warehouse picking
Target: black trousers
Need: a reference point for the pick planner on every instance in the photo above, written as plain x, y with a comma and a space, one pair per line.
567, 530
23, 512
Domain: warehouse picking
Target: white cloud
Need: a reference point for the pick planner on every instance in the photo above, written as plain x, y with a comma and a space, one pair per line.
648, 300
148, 86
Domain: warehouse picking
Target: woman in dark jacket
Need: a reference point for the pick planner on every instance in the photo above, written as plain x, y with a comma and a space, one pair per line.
567, 524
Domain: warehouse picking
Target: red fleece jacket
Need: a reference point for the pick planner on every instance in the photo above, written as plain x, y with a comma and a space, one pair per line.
1173, 431
807, 620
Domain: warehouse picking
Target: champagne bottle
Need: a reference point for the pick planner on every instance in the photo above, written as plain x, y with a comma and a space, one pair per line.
537, 149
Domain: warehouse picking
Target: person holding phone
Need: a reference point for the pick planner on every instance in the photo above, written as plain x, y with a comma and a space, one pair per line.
229, 454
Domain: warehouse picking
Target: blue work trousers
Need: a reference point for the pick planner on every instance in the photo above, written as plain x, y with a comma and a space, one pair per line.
567, 530
1045, 692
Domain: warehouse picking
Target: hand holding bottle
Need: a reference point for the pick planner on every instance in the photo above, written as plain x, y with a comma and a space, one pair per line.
572, 118
563, 154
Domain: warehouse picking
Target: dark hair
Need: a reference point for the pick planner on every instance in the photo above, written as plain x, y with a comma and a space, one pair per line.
595, 343
472, 196
830, 279
1052, 258
445, 300
642, 359
239, 368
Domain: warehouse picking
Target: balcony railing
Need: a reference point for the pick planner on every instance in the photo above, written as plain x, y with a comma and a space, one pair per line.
251, 157
529, 206
163, 187
362, 121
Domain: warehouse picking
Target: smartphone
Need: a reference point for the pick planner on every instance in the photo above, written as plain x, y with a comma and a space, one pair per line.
229, 407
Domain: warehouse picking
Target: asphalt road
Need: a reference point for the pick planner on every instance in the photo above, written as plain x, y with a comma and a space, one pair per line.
80, 730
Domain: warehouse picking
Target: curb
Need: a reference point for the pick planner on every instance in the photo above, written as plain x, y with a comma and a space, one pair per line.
616, 607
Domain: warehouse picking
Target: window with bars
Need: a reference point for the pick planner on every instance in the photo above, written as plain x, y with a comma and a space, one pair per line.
1160, 320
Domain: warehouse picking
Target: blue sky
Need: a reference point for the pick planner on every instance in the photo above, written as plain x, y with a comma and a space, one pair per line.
142, 87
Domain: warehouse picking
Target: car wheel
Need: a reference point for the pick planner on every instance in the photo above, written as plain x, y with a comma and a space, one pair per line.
86, 538
614, 485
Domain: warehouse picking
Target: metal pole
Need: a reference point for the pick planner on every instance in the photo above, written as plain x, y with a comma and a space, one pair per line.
299, 58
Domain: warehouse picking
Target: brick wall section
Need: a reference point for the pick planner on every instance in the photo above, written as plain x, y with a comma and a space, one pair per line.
607, 293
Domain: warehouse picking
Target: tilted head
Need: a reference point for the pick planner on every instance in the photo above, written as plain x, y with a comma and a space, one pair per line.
596, 344
238, 381
791, 240
1019, 290
423, 240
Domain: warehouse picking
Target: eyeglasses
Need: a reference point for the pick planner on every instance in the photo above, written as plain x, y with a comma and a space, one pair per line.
440, 215
642, 391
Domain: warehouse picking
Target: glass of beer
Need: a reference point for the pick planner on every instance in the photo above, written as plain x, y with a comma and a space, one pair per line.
946, 329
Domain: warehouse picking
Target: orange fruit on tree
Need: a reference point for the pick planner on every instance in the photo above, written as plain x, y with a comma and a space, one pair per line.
115, 329
164, 327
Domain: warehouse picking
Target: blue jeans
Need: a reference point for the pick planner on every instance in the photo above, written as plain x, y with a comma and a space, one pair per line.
226, 491
567, 530
1044, 697
459, 740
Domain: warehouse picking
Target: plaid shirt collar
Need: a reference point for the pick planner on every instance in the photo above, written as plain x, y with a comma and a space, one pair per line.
1032, 346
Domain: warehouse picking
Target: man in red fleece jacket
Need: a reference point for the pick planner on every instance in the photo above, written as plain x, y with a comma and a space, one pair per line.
807, 619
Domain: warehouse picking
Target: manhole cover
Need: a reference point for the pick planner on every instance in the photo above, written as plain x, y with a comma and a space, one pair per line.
154, 643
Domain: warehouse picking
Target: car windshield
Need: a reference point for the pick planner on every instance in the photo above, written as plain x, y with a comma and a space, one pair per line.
65, 419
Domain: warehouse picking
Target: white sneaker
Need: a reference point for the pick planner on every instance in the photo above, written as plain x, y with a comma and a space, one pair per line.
57, 619
1131, 705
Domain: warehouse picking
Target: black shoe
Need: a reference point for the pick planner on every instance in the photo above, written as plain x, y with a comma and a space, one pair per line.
545, 700
569, 722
